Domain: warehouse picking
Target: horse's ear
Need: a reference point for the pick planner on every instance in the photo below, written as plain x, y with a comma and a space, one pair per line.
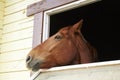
78, 25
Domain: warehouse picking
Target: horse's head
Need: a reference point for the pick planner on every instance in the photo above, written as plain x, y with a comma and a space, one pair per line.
59, 49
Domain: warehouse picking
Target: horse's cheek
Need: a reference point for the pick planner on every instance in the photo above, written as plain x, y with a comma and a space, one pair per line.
64, 58
48, 64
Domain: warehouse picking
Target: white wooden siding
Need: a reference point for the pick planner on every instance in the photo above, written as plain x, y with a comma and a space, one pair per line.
1, 24
1, 14
14, 55
14, 17
18, 6
16, 33
22, 75
16, 45
12, 2
2, 3
12, 66
26, 23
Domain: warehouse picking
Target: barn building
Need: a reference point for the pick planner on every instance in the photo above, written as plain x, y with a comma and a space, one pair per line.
26, 23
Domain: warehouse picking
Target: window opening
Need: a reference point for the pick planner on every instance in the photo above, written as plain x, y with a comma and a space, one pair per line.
98, 27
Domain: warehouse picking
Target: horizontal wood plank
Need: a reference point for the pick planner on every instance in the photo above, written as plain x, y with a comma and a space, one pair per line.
22, 75
2, 9
14, 55
13, 66
1, 25
11, 2
14, 8
15, 26
0, 44
45, 5
16, 45
1, 15
2, 4
15, 17
0, 35
17, 35
22, 4
2, 1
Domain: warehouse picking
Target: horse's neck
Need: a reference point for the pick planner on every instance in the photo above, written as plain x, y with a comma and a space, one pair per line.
84, 49
81, 42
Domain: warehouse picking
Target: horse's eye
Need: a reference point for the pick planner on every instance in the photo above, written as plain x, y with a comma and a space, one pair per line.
58, 37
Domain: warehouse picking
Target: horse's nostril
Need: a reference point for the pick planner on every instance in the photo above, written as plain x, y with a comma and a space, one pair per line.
28, 59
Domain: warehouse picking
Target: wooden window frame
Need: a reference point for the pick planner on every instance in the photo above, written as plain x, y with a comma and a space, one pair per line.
43, 9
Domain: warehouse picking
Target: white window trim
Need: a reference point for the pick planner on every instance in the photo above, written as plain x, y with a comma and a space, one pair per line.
76, 4
60, 9
79, 66
46, 30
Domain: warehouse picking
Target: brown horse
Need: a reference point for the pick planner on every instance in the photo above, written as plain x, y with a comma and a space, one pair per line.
66, 47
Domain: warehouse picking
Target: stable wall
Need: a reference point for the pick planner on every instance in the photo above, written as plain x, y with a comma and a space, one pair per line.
2, 3
16, 30
101, 72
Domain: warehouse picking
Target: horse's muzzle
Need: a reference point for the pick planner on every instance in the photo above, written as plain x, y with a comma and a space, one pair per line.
33, 64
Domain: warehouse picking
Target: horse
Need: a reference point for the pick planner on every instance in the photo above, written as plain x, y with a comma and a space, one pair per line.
67, 47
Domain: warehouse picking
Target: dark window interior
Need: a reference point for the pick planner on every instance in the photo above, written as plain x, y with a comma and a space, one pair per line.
100, 27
